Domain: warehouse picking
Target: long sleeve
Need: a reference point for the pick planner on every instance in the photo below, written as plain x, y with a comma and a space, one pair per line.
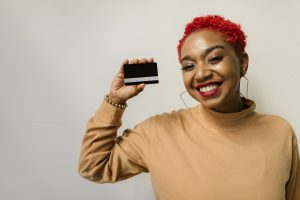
293, 185
104, 157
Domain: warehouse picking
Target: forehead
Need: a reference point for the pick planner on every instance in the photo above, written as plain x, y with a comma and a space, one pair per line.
201, 40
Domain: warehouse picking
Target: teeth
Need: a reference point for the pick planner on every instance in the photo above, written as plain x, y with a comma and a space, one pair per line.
208, 88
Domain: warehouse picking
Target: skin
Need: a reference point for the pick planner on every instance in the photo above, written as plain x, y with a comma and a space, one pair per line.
207, 57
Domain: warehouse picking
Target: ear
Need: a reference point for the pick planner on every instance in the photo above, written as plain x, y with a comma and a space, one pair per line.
244, 64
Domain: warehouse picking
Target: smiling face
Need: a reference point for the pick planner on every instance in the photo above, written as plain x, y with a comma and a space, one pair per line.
212, 70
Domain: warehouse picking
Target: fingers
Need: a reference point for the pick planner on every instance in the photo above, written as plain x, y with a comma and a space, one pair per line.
134, 61
126, 61
150, 60
141, 61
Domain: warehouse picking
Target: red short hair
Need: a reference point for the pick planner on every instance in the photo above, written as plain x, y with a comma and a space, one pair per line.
232, 32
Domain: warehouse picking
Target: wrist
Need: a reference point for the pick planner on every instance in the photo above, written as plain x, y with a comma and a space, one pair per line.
115, 101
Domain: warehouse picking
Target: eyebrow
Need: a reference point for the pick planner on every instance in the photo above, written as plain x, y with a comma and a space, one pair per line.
207, 51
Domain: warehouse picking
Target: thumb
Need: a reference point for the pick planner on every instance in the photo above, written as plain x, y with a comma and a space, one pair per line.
139, 88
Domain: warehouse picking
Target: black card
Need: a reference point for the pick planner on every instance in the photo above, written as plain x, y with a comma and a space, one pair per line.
135, 74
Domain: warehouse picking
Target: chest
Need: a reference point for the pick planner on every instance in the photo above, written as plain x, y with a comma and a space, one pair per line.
214, 167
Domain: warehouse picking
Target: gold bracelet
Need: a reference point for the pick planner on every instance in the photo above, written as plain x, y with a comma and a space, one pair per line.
108, 100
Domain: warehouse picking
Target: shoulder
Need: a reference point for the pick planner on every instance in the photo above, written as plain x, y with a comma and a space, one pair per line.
274, 119
274, 129
275, 123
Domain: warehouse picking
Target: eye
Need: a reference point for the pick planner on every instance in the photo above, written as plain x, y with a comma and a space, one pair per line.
215, 59
188, 68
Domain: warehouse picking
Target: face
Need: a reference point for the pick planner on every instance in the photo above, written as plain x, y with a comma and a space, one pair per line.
212, 70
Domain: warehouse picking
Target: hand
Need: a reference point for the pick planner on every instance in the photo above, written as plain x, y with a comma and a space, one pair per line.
119, 93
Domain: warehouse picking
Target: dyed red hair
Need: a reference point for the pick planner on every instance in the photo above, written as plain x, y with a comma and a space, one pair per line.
232, 32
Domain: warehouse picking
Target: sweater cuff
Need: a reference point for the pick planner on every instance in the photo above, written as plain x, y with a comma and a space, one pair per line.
109, 114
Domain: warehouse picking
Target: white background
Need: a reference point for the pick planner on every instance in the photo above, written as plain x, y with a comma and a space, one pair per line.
57, 60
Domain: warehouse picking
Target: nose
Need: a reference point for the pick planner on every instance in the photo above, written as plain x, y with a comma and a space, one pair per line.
202, 73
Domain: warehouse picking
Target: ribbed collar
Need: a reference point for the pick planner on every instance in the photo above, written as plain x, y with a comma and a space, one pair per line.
211, 118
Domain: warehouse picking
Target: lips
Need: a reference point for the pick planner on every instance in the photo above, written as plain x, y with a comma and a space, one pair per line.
209, 88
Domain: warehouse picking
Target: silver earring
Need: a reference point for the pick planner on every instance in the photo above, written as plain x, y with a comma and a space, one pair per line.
247, 87
180, 95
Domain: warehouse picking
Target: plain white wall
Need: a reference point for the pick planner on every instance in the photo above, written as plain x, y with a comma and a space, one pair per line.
57, 60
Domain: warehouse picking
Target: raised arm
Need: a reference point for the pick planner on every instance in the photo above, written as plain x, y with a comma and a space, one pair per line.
104, 157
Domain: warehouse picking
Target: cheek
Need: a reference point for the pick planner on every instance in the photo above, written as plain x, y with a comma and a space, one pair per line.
230, 71
232, 80
187, 79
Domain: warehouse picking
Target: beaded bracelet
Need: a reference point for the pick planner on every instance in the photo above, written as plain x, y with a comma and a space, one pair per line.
108, 100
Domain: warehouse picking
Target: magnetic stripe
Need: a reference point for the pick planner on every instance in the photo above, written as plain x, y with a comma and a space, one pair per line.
141, 79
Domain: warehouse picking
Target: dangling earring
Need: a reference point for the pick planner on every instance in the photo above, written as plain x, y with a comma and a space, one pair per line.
247, 86
180, 95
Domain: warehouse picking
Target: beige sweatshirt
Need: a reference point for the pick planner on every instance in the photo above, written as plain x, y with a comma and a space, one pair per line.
196, 154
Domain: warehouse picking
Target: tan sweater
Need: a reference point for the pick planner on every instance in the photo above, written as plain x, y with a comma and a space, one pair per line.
196, 154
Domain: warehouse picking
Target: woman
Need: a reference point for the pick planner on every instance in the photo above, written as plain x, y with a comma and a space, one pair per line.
220, 149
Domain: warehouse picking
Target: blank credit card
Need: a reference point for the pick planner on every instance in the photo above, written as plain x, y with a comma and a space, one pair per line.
135, 74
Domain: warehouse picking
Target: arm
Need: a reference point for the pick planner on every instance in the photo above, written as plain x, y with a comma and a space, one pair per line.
293, 185
103, 157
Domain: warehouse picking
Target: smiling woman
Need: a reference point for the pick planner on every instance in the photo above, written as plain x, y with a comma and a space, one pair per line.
212, 71
220, 149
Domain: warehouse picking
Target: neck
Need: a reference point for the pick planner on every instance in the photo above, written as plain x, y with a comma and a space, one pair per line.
216, 118
231, 107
